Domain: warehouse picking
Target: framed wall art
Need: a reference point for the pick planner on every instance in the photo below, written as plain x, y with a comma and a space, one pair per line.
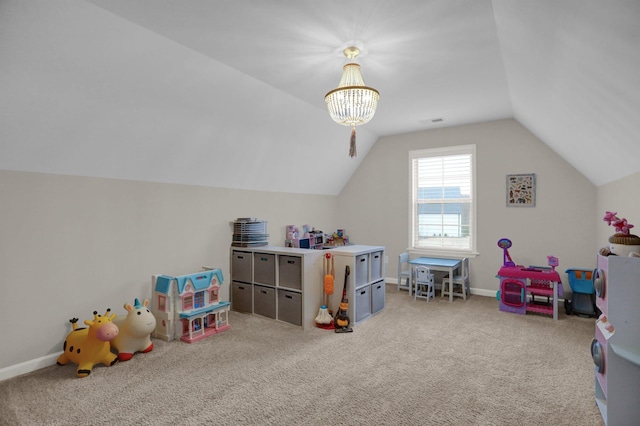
521, 190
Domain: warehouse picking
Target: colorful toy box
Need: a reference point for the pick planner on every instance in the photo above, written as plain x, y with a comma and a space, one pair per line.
583, 300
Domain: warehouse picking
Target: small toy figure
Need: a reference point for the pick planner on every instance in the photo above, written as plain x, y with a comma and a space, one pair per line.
135, 330
90, 346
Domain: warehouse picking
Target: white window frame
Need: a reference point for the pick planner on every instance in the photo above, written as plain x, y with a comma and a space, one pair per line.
413, 217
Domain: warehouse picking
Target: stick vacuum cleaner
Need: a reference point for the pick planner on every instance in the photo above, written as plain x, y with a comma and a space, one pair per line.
341, 320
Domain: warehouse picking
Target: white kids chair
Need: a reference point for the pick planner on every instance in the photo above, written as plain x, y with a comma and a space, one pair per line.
424, 283
462, 280
404, 272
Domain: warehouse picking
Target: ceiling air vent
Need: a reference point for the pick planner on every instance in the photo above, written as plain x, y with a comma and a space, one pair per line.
431, 121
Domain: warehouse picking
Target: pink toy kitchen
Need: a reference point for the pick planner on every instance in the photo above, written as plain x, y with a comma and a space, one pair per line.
528, 289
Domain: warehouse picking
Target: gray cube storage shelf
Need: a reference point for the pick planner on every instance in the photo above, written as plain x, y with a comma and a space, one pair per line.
264, 301
290, 306
287, 284
242, 296
377, 296
366, 282
290, 271
377, 265
264, 268
281, 283
363, 303
242, 266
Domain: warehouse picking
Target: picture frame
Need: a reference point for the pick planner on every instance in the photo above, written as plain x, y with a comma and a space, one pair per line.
521, 190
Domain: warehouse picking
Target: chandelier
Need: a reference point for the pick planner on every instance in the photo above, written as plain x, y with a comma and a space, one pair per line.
352, 103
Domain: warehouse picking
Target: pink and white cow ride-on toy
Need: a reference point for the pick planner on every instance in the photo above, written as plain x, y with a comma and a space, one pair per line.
135, 330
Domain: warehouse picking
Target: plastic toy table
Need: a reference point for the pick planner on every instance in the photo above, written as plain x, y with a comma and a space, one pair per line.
518, 275
438, 264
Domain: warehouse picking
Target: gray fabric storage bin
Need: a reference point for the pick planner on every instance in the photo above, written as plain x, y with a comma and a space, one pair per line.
362, 270
241, 266
264, 301
290, 272
363, 303
376, 266
290, 307
264, 268
377, 296
241, 297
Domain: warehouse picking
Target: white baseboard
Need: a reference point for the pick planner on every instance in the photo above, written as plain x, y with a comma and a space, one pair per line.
483, 292
477, 291
28, 366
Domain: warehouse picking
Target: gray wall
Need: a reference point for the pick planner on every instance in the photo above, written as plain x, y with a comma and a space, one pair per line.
376, 199
71, 245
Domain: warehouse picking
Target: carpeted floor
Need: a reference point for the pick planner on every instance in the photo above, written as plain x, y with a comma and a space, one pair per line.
414, 363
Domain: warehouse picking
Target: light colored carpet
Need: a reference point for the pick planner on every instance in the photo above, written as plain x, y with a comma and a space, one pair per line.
414, 363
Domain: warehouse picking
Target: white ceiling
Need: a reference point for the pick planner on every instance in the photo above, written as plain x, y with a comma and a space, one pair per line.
230, 93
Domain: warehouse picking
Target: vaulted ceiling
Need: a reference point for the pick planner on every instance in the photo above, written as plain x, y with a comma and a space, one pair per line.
230, 93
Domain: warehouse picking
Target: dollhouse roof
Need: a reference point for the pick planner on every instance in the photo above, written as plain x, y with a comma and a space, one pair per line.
199, 280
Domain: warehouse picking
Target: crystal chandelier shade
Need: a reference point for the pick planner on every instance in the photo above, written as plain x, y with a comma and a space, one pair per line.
352, 103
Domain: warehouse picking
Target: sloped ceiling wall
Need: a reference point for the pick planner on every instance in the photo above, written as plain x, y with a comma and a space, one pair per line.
88, 93
230, 94
574, 78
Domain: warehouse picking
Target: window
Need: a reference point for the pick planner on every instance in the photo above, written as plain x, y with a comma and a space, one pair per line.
162, 303
213, 296
187, 302
442, 201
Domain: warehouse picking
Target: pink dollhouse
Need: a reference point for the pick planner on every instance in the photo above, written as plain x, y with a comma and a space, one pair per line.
188, 307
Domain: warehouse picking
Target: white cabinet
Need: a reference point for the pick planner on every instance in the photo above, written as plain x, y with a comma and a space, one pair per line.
616, 347
281, 283
365, 283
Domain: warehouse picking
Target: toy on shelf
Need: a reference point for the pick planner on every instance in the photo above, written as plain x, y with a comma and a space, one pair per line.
135, 330
87, 347
188, 307
307, 237
622, 243
338, 238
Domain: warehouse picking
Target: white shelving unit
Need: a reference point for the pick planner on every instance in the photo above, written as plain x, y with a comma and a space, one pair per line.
366, 281
616, 347
281, 283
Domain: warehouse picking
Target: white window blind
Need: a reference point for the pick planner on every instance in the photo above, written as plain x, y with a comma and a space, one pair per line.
443, 199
